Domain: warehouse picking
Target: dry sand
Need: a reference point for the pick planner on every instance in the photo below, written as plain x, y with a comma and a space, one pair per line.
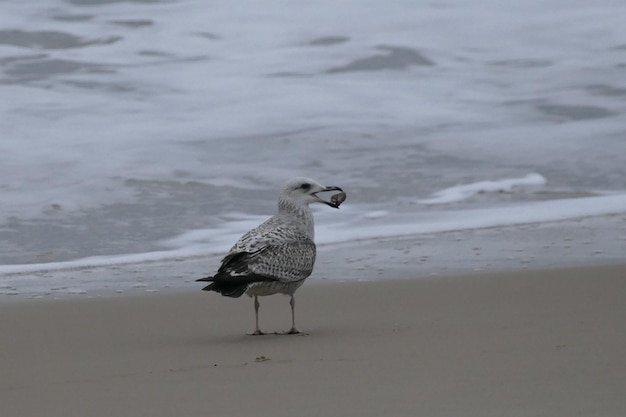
543, 343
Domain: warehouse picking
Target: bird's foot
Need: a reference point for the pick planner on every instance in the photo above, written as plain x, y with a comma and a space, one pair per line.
257, 332
293, 330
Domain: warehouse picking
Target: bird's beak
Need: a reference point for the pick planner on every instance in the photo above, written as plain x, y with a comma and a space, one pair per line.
332, 188
334, 203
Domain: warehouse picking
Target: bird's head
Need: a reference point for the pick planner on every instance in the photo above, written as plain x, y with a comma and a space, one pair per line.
303, 191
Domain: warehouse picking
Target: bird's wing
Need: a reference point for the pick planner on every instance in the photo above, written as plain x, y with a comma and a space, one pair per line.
286, 261
289, 261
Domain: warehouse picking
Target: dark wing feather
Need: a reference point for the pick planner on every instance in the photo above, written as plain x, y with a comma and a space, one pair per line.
233, 277
285, 262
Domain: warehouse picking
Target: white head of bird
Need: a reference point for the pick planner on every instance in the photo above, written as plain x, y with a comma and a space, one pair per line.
301, 191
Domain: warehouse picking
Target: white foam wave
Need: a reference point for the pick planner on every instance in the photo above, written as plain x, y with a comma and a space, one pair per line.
465, 191
360, 226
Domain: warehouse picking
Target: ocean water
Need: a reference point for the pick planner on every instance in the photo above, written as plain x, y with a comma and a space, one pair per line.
148, 130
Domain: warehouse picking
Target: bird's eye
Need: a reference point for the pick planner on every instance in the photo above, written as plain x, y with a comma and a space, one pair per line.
305, 186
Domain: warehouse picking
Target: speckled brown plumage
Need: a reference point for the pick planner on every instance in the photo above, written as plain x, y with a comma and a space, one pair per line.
279, 254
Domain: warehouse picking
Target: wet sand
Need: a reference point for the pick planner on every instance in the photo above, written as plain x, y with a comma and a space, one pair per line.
530, 343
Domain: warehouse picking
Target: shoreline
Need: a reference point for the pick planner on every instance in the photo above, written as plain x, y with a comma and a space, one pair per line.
591, 241
191, 286
489, 344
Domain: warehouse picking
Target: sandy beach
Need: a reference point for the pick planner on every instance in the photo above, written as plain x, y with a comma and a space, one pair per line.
531, 343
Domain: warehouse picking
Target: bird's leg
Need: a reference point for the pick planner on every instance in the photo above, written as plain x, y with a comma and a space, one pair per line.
293, 330
257, 331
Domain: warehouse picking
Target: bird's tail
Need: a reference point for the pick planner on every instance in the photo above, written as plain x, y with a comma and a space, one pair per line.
220, 287
231, 286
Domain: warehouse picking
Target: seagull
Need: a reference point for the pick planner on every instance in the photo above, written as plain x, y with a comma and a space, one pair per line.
279, 254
